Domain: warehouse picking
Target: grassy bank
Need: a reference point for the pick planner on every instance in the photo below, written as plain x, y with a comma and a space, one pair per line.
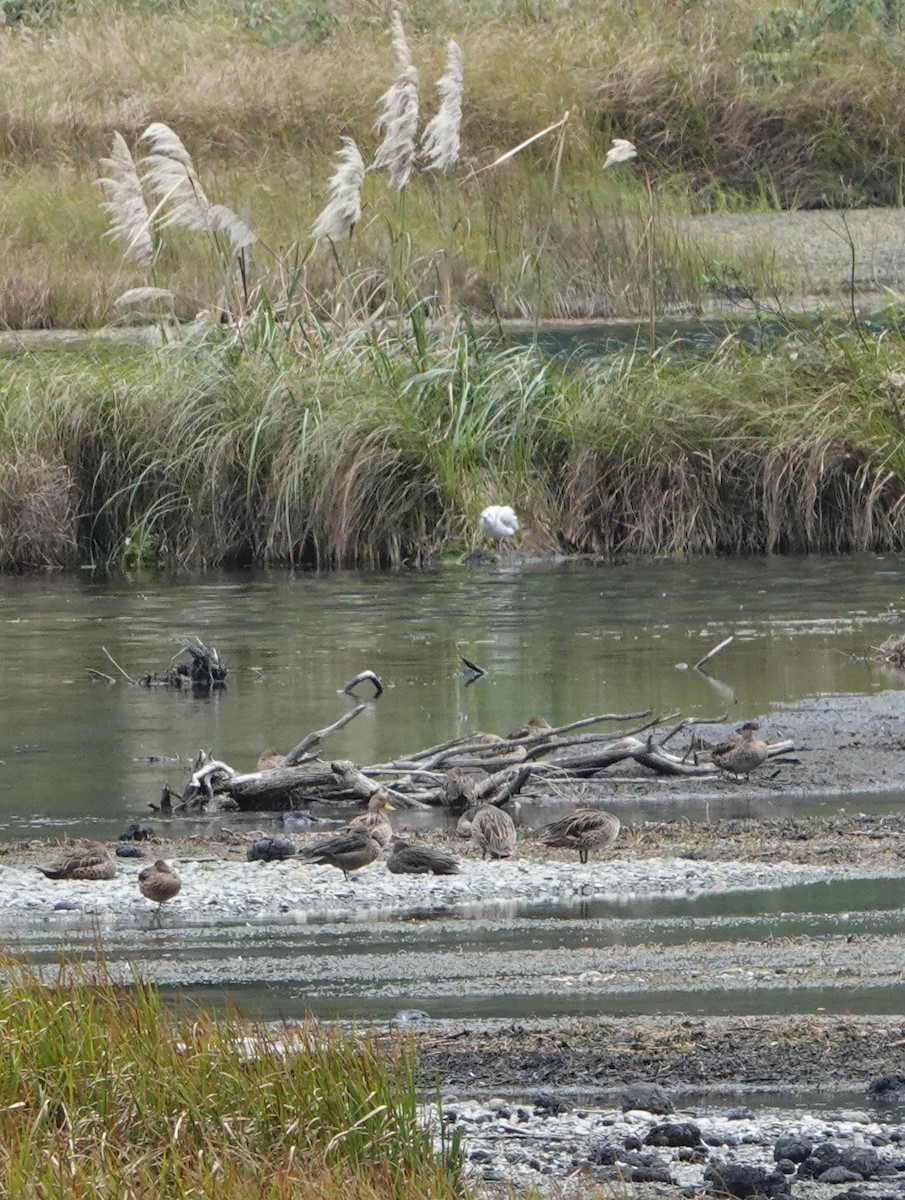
381, 449
105, 1092
732, 106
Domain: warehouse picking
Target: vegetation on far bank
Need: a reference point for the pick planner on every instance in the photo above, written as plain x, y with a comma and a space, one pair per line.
732, 106
105, 1092
380, 447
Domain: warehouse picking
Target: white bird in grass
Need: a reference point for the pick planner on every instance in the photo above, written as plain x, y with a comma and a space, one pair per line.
499, 521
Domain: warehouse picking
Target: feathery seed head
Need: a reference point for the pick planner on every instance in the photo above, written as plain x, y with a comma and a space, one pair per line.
619, 151
344, 209
440, 141
126, 203
399, 114
170, 174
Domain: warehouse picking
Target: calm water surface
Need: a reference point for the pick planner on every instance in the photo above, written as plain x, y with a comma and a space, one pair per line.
566, 641
82, 758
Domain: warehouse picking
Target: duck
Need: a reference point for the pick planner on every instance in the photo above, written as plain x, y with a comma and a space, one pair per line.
533, 728
345, 851
584, 830
493, 831
159, 883
92, 862
743, 753
270, 760
409, 859
374, 821
498, 521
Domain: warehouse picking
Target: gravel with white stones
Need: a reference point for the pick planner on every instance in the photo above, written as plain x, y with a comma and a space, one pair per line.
295, 892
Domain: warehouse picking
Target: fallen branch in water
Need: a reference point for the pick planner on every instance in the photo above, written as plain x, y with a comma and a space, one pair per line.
464, 772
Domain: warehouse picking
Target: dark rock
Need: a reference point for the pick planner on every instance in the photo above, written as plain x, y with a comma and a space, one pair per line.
136, 833
861, 1159
548, 1103
793, 1147
737, 1179
839, 1174
822, 1157
649, 1097
886, 1087
740, 1114
786, 1166
270, 849
650, 1175
602, 1154
480, 1156
632, 1142
128, 850
674, 1133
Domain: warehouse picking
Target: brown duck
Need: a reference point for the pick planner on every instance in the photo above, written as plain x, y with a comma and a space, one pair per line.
584, 830
532, 728
375, 820
493, 831
743, 753
270, 760
159, 883
92, 862
346, 851
409, 859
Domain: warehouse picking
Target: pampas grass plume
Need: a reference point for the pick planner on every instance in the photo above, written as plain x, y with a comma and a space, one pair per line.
170, 173
344, 209
126, 203
440, 142
399, 115
620, 151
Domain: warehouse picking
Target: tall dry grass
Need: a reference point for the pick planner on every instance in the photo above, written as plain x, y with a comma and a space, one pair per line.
729, 108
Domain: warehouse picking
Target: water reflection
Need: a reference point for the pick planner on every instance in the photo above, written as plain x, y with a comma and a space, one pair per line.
566, 641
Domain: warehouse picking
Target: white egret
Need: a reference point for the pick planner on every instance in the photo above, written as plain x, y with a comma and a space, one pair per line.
499, 521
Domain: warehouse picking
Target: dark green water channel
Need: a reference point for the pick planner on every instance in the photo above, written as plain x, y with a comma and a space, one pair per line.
83, 758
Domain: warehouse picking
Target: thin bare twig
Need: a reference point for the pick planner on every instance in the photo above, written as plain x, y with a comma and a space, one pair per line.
716, 649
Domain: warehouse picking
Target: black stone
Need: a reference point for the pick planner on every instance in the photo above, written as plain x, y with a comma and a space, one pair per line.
650, 1175
839, 1174
793, 1147
632, 1142
886, 1087
737, 1179
602, 1154
786, 1166
861, 1159
822, 1157
674, 1133
549, 1103
270, 849
649, 1097
136, 833
128, 850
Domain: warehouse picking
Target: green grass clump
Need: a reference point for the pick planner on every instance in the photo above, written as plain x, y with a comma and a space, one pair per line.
380, 446
104, 1092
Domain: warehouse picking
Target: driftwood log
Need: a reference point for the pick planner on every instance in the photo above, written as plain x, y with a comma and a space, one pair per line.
468, 770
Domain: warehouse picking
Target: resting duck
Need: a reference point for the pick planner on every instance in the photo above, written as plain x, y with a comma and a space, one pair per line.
93, 862
743, 753
159, 883
346, 851
408, 859
586, 829
493, 831
375, 820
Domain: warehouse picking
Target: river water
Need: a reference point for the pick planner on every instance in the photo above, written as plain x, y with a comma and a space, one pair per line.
83, 758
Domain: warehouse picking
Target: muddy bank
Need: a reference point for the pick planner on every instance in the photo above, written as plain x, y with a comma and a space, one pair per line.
593, 1059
